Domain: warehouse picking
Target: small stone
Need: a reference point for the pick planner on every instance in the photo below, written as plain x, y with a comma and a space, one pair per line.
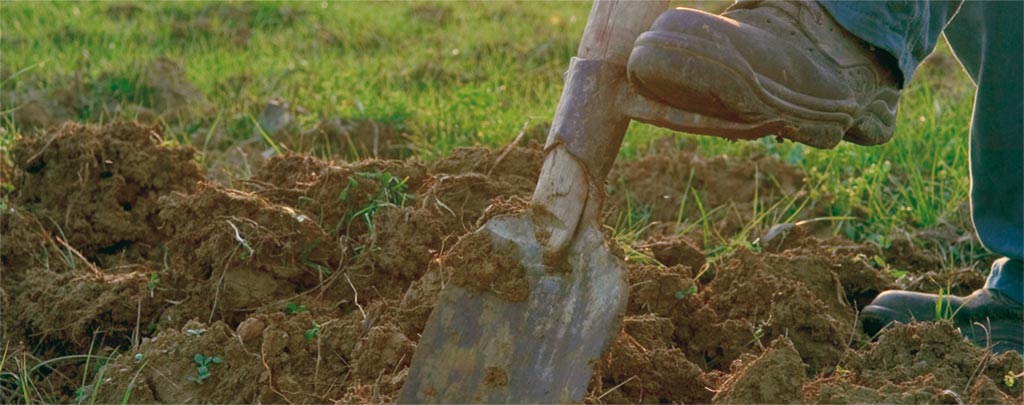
250, 329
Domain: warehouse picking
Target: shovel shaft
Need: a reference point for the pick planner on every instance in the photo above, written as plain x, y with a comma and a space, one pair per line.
588, 120
613, 26
589, 124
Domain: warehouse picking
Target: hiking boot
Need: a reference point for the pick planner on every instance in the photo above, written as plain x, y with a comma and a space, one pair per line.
985, 317
785, 66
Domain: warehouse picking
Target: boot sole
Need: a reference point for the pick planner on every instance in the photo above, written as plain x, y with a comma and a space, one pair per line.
739, 94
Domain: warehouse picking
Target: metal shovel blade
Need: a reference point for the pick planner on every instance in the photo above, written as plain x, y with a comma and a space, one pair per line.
478, 347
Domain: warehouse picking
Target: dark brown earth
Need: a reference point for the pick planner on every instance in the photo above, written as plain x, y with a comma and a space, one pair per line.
311, 280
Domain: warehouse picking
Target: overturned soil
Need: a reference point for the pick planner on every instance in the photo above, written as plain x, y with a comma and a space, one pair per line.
311, 280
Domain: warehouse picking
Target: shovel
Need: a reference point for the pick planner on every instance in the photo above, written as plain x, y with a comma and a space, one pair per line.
480, 348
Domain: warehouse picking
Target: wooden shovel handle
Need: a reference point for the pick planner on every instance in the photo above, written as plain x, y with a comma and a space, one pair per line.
589, 125
614, 25
588, 121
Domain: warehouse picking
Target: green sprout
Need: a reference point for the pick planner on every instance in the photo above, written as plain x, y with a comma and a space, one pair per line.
304, 257
294, 308
392, 192
203, 367
312, 333
1010, 379
687, 292
942, 311
154, 279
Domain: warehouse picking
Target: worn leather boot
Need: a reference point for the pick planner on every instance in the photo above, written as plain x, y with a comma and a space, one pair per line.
785, 66
985, 317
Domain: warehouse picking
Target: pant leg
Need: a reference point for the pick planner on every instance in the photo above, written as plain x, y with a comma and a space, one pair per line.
908, 30
987, 37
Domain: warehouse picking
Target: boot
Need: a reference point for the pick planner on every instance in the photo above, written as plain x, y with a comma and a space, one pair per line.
785, 66
985, 317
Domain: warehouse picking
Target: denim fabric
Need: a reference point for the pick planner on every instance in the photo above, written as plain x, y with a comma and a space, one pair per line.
906, 29
988, 39
1006, 277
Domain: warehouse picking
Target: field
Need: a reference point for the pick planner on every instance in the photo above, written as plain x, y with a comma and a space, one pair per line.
262, 201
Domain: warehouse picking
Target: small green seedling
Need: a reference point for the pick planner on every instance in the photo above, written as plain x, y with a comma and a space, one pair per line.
391, 192
195, 332
343, 195
304, 257
203, 367
1010, 379
687, 292
942, 309
879, 261
312, 333
294, 308
138, 357
154, 279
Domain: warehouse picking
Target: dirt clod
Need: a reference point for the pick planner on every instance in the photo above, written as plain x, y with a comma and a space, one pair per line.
476, 265
97, 188
312, 280
774, 377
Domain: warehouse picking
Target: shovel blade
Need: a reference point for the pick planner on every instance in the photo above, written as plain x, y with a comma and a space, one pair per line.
479, 348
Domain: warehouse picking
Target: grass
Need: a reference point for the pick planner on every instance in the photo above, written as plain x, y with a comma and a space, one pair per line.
391, 192
447, 74
450, 74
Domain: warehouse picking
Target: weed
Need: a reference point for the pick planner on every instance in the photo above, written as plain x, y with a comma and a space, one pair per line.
131, 384
705, 221
313, 332
304, 258
630, 227
266, 137
294, 308
897, 273
154, 280
391, 192
1010, 379
942, 310
203, 364
101, 370
344, 193
879, 262
195, 332
686, 293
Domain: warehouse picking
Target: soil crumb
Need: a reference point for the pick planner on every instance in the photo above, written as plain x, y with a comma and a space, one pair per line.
475, 264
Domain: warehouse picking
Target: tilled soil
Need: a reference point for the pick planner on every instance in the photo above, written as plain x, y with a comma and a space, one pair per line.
311, 281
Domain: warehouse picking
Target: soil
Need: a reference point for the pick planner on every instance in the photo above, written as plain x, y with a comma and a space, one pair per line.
476, 265
311, 280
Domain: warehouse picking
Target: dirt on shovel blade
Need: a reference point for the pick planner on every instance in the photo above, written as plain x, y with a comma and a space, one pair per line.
312, 280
